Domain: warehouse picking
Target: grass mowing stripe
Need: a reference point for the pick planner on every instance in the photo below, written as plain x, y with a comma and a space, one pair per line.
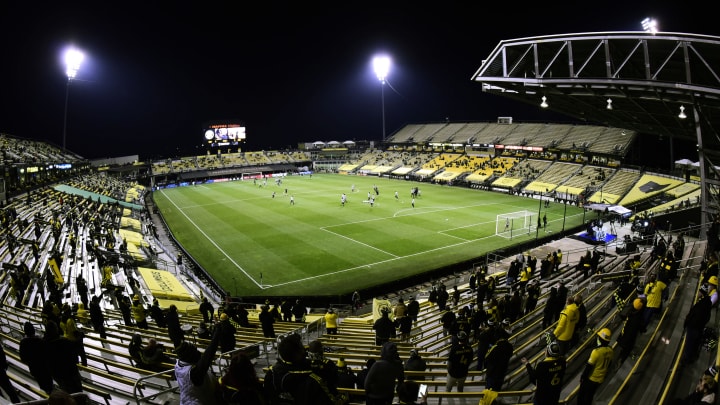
318, 239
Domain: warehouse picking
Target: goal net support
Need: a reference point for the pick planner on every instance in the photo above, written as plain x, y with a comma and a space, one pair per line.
514, 224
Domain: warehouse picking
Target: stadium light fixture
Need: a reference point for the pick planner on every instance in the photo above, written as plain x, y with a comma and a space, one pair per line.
73, 59
682, 115
650, 25
609, 104
544, 103
381, 65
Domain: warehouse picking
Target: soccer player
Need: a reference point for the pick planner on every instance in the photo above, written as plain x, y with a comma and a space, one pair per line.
413, 202
352, 188
396, 196
273, 196
292, 200
343, 198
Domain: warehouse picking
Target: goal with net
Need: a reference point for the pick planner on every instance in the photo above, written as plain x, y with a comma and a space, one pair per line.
514, 223
251, 176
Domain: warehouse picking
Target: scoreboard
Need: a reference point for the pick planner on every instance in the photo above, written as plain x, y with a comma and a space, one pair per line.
219, 134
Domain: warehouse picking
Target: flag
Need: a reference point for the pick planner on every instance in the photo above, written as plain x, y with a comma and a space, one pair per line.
378, 305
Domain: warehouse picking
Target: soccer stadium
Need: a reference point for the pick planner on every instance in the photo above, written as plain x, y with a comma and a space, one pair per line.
482, 226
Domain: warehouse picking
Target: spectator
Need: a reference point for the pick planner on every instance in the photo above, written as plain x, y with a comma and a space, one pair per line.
299, 311
442, 297
409, 392
33, 352
240, 384
82, 289
485, 339
566, 325
562, 294
175, 332
203, 331
97, 318
207, 310
455, 296
362, 374
157, 314
533, 295
458, 363
355, 300
267, 322
153, 356
286, 310
404, 325
384, 328
125, 309
62, 359
582, 319
697, 317
551, 302
497, 358
416, 363
331, 322
291, 377
448, 321
135, 348
326, 369
73, 334
82, 315
631, 329
597, 367
196, 384
381, 379
705, 390
5, 382
226, 331
400, 309
548, 376
139, 313
653, 291
346, 378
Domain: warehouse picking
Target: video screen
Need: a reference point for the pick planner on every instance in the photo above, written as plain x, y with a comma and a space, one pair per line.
225, 134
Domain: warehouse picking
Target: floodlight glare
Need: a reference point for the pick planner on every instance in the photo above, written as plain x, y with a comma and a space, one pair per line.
650, 25
73, 59
682, 113
609, 104
381, 64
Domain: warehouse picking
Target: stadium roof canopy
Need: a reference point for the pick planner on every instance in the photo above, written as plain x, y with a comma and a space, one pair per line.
647, 80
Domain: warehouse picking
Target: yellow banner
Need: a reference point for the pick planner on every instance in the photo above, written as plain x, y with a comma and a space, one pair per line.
379, 305
163, 284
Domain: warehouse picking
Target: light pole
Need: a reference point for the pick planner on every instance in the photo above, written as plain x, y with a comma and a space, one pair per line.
73, 59
381, 64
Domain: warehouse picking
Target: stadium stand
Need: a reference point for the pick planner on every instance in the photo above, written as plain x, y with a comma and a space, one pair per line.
105, 229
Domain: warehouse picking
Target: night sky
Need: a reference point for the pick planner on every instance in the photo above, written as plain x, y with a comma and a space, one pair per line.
153, 75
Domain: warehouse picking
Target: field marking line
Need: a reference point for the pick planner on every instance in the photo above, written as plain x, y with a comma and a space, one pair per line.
358, 242
366, 266
212, 241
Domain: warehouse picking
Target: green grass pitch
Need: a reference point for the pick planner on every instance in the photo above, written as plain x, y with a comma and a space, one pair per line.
256, 245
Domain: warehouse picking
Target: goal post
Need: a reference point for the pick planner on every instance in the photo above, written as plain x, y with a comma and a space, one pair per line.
514, 223
251, 176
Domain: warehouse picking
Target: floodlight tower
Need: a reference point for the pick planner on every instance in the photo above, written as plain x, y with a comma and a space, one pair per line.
381, 64
73, 59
